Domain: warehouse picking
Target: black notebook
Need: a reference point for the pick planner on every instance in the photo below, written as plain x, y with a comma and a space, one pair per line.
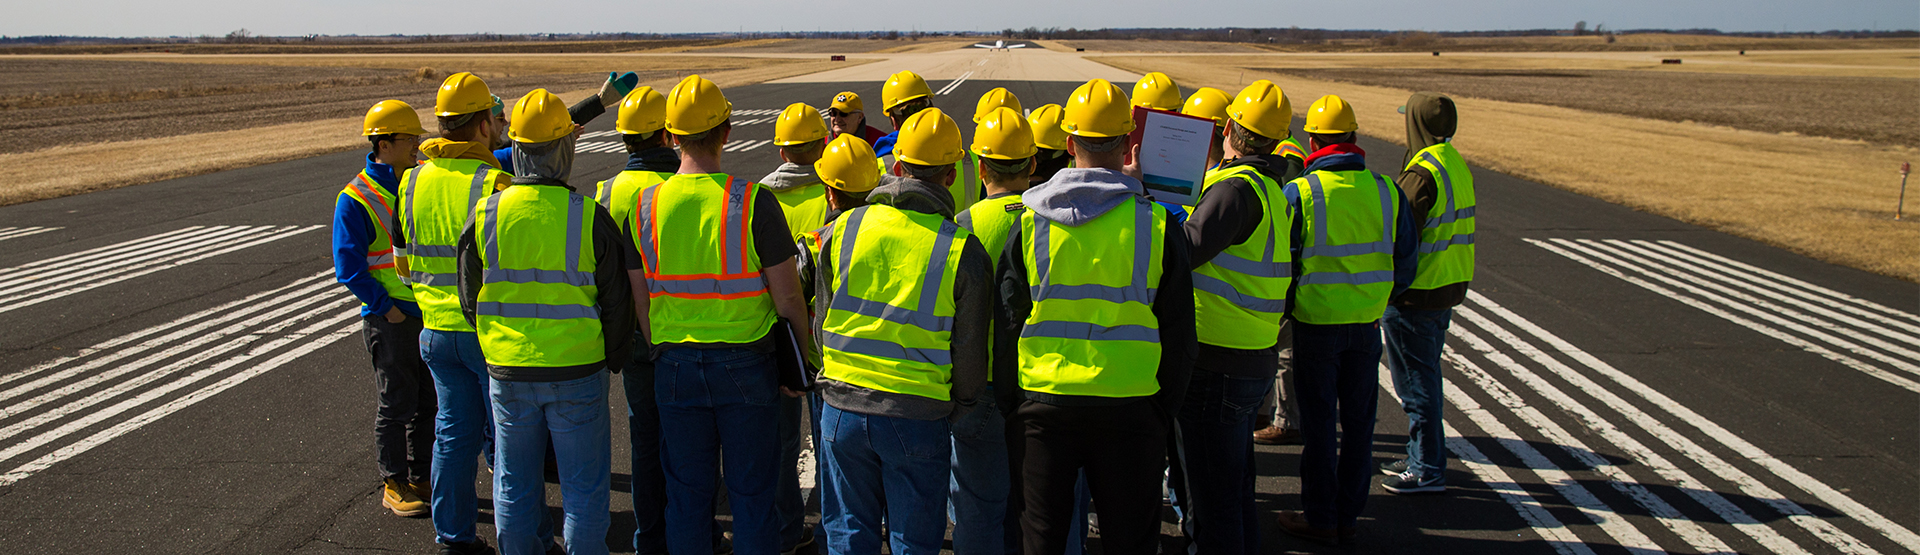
795, 373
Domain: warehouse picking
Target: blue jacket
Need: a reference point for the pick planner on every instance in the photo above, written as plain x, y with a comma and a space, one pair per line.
352, 234
884, 145
505, 156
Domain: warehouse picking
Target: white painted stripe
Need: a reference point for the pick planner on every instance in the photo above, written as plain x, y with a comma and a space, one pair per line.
611, 147
1701, 264
222, 314
8, 303
1537, 516
113, 354
1694, 488
89, 254
754, 144
1556, 246
1746, 451
954, 84
598, 134
1796, 283
17, 232
83, 270
117, 430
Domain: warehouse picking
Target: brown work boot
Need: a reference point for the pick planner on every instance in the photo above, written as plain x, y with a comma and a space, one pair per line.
1275, 435
1294, 523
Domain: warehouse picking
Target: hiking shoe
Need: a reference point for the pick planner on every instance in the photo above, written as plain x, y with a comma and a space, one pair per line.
1275, 435
1394, 468
399, 498
475, 547
1294, 523
1406, 483
805, 540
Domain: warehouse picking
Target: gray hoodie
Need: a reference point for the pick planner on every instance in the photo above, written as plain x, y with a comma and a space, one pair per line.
1076, 196
973, 303
789, 176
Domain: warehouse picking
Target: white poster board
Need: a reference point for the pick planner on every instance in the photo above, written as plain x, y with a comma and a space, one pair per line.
1173, 153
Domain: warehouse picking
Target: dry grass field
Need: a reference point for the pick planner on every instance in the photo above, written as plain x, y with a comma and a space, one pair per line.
1826, 198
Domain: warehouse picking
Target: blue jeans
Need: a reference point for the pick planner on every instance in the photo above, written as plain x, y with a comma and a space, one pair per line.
643, 430
713, 400
1216, 448
885, 470
1415, 339
786, 499
574, 414
980, 484
1337, 374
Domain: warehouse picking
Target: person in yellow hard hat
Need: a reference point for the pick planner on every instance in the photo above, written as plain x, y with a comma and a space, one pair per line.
1157, 91
720, 272
545, 279
1210, 103
1099, 297
1355, 249
612, 92
847, 115
369, 259
1238, 237
893, 383
1050, 142
906, 94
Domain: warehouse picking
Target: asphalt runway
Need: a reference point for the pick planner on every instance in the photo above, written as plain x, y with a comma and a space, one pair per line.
180, 374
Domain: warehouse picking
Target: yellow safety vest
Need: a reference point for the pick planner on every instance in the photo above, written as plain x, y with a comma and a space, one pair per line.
965, 188
622, 193
1291, 147
437, 199
1446, 237
1092, 331
1346, 255
889, 326
538, 305
381, 262
992, 221
695, 232
1240, 296
805, 207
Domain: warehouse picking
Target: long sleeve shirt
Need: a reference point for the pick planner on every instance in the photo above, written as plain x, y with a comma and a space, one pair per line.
353, 234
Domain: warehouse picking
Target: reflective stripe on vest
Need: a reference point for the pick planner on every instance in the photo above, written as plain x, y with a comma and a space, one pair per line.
1348, 281
378, 205
1446, 236
536, 306
695, 236
434, 211
886, 329
1241, 295
1291, 147
1092, 331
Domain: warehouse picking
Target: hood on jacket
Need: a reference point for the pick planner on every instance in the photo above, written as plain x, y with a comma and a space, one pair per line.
443, 148
1430, 118
1076, 196
790, 176
548, 163
913, 195
657, 159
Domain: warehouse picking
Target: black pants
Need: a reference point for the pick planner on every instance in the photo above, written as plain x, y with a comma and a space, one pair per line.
1123, 449
403, 427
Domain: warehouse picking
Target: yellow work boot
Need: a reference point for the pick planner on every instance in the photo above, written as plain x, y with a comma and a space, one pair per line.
422, 489
399, 497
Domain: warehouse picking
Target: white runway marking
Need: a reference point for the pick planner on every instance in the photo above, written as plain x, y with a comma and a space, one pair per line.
18, 232
954, 84
59, 277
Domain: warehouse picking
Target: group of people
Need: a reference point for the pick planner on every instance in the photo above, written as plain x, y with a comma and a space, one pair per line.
1002, 335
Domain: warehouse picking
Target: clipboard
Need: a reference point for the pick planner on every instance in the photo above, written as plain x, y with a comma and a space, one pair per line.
1173, 153
795, 373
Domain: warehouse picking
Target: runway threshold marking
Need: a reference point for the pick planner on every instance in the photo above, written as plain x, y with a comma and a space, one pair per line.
61, 276
18, 232
954, 84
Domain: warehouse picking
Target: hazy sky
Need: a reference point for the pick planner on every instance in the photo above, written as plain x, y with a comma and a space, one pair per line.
369, 17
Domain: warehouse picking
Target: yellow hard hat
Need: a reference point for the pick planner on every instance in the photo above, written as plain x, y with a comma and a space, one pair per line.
390, 117
999, 97
848, 165
799, 124
847, 101
1156, 90
1208, 102
902, 87
1097, 109
1262, 108
643, 111
1003, 134
540, 117
462, 93
695, 106
1045, 124
1330, 115
929, 138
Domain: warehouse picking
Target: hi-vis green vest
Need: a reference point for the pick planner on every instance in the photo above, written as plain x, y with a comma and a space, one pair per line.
1092, 331
965, 188
695, 232
380, 256
538, 304
1346, 255
805, 207
437, 199
1240, 295
1291, 147
1446, 239
992, 221
890, 324
622, 193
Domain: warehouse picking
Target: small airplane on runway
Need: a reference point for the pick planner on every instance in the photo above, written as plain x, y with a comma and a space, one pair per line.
1000, 45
